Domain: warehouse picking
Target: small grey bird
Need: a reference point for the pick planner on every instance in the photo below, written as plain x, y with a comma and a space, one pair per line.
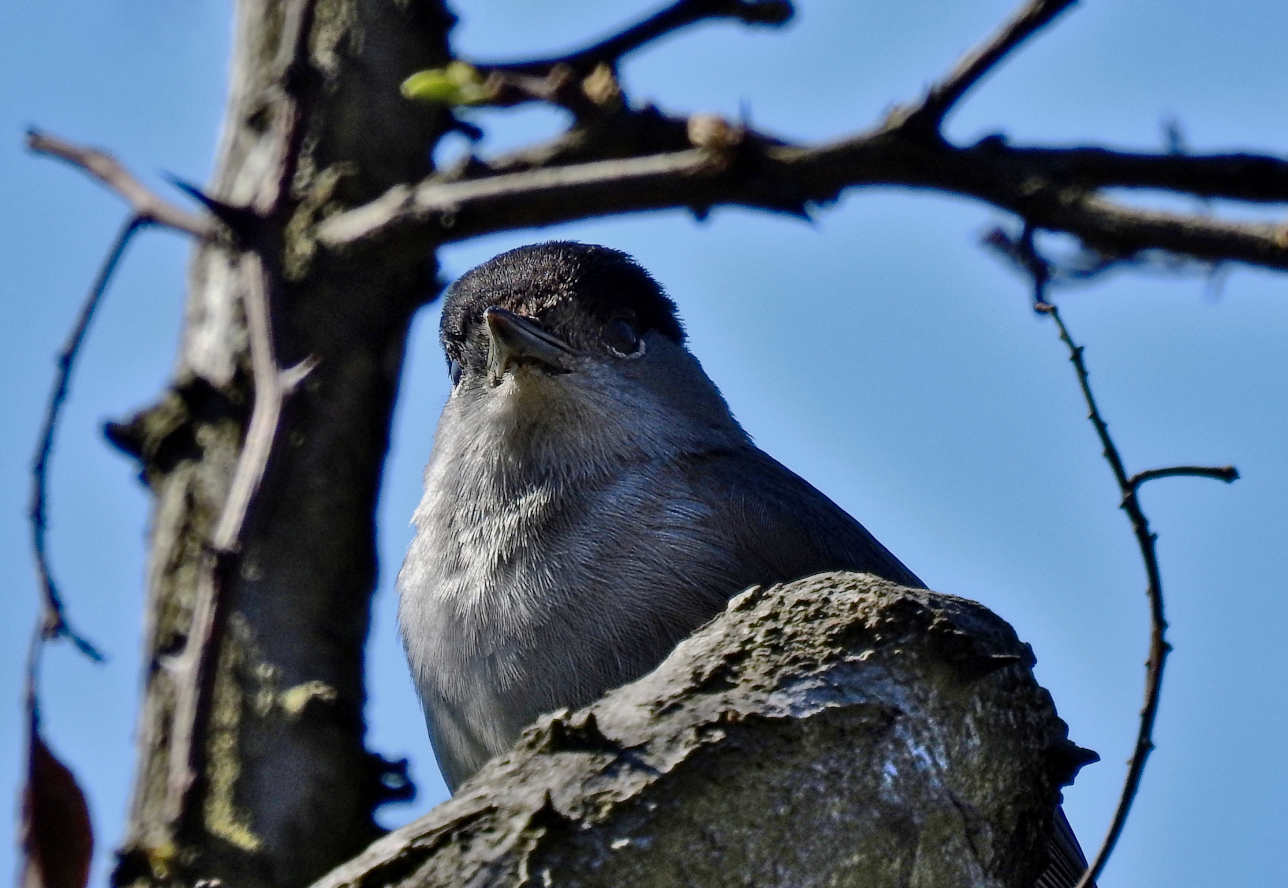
589, 502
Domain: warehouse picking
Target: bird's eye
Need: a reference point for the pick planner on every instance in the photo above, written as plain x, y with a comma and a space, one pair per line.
620, 335
454, 370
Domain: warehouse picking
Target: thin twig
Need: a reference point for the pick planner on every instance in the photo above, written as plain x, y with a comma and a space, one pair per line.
674, 17
972, 67
147, 205
55, 617
1158, 646
1023, 251
1228, 474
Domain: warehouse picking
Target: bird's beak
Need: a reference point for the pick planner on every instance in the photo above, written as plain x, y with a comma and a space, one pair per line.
515, 340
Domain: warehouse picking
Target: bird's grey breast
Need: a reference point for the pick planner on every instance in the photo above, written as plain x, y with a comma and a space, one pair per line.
526, 590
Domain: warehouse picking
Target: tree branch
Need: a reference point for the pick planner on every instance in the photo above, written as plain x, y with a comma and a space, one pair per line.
666, 21
54, 621
1044, 186
602, 172
973, 66
1254, 178
1158, 646
195, 666
1228, 474
148, 207
1023, 253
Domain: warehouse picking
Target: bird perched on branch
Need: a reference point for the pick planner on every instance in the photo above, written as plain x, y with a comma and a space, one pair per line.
590, 501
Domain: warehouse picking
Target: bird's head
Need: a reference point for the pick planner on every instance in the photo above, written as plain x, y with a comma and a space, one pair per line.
564, 341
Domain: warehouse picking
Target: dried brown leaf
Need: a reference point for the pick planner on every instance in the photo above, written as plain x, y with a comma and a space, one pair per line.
57, 838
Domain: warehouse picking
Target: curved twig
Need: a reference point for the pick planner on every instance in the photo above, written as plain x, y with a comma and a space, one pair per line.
1146, 539
1025, 255
1158, 646
54, 621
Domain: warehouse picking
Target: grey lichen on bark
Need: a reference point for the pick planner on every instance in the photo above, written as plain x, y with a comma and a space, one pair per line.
285, 789
839, 730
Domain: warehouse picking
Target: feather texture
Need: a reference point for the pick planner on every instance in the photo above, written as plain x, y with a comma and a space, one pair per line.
578, 522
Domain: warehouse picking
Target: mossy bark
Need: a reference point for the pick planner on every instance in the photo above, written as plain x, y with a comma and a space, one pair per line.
287, 786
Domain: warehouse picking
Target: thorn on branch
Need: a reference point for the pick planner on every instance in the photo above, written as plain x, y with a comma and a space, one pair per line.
244, 223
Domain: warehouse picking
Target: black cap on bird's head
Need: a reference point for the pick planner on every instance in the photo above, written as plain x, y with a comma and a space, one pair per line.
567, 294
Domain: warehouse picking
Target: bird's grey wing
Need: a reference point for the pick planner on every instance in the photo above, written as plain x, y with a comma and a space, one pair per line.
779, 526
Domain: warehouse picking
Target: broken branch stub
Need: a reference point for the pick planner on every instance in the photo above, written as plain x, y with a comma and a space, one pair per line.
838, 730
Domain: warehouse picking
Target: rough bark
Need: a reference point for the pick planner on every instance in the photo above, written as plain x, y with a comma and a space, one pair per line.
285, 788
839, 730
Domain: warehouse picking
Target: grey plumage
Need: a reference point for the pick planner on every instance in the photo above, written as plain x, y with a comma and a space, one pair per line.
589, 502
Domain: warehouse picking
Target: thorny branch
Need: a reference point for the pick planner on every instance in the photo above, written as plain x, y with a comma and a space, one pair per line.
272, 386
194, 667
149, 208
592, 171
54, 622
1039, 269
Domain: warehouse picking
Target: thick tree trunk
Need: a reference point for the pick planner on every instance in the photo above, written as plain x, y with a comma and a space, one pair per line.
839, 730
284, 787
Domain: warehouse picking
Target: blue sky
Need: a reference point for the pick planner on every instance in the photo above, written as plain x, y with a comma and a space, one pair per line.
879, 352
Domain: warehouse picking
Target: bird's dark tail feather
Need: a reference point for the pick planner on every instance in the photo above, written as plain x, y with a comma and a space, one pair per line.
1067, 863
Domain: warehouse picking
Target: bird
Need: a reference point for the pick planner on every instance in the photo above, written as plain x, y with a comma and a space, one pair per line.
589, 502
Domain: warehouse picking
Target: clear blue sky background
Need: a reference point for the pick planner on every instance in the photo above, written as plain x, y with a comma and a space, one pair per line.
879, 352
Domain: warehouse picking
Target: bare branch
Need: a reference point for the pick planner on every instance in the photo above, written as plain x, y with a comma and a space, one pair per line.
1228, 474
1023, 253
1158, 646
1037, 185
1146, 540
273, 385
196, 665
972, 67
1254, 178
54, 621
147, 205
674, 17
